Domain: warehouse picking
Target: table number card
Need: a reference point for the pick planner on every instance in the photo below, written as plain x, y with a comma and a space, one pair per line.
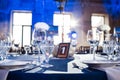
63, 50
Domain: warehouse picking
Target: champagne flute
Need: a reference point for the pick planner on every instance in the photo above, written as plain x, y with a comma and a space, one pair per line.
93, 39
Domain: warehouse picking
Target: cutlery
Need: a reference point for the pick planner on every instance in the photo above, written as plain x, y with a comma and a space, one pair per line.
29, 67
118, 65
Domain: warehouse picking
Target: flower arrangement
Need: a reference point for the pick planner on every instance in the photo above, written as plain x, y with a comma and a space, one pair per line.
104, 28
40, 29
41, 25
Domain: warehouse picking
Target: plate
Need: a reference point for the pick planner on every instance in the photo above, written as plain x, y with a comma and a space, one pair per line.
24, 58
100, 63
11, 64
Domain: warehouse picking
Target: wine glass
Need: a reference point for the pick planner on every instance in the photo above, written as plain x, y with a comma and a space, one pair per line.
27, 49
47, 49
117, 51
111, 44
93, 39
5, 44
38, 37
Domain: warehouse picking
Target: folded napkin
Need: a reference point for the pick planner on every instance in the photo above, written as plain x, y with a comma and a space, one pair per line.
3, 74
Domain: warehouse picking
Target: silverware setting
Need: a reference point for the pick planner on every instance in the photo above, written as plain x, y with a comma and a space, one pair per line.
28, 68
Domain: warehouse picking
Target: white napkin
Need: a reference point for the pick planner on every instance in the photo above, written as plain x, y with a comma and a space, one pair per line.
3, 74
113, 73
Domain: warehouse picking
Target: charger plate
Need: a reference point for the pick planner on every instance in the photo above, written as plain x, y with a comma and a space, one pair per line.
11, 64
100, 63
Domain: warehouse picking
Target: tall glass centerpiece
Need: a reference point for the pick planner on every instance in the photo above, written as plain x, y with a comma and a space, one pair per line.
47, 49
43, 43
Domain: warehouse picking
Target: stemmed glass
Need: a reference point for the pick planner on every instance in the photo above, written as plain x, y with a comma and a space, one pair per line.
5, 44
110, 46
93, 39
36, 42
117, 47
43, 45
47, 49
27, 49
117, 51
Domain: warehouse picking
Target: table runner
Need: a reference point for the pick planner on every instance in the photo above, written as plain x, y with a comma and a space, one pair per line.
62, 70
94, 75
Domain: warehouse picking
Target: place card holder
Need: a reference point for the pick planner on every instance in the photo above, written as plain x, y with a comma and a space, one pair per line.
63, 50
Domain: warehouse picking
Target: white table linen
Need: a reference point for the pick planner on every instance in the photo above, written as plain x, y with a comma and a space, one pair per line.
113, 73
7, 65
3, 74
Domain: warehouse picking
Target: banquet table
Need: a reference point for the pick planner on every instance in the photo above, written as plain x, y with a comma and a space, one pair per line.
62, 69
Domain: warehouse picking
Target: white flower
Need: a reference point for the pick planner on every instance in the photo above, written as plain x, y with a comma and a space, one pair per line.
40, 30
41, 25
105, 28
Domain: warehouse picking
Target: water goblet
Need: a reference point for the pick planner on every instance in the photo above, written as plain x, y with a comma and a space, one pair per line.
117, 51
93, 39
5, 44
47, 49
36, 44
110, 51
111, 44
27, 49
39, 38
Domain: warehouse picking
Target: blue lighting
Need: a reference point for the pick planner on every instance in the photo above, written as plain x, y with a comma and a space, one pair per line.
73, 35
112, 7
53, 30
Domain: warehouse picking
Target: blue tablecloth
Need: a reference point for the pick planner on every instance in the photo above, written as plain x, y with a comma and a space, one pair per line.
58, 65
95, 75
